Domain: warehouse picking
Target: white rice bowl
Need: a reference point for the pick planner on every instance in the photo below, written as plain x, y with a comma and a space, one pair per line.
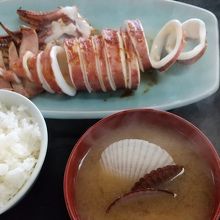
23, 146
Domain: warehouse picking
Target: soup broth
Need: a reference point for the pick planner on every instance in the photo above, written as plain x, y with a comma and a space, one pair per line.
96, 189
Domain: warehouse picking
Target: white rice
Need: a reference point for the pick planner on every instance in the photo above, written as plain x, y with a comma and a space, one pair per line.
20, 141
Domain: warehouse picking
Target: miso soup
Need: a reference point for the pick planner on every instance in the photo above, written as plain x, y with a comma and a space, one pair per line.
96, 189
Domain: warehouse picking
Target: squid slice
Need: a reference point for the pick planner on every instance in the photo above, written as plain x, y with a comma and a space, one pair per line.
13, 57
82, 66
172, 29
7, 75
137, 36
60, 69
48, 72
12, 54
132, 62
71, 47
32, 66
28, 47
25, 59
15, 64
114, 54
193, 30
103, 57
100, 63
89, 62
29, 41
104, 78
43, 81
123, 59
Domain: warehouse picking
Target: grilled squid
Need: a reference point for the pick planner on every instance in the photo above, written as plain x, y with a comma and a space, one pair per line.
74, 59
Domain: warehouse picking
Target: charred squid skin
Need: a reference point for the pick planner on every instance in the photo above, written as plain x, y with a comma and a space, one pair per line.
101, 63
137, 36
48, 72
133, 69
76, 74
89, 62
113, 57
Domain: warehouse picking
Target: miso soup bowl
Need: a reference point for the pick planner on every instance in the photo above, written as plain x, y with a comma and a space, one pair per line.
168, 120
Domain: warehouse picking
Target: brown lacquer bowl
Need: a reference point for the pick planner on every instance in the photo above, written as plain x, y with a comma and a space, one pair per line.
161, 118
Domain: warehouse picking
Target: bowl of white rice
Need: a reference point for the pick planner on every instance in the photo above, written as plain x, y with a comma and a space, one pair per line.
23, 147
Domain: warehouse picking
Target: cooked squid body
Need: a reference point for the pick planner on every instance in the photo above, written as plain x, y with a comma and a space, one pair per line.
105, 62
100, 62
